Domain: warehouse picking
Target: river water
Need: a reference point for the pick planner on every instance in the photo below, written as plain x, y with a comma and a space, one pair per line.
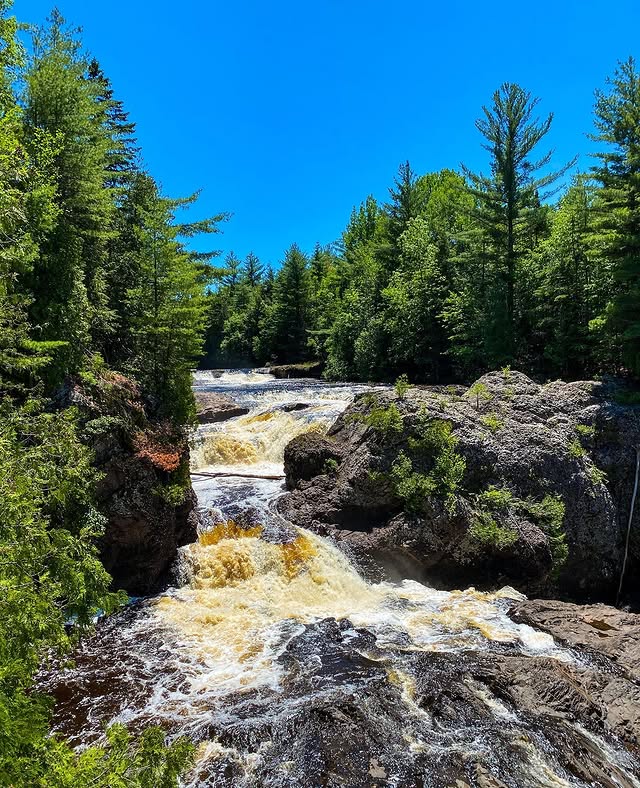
285, 665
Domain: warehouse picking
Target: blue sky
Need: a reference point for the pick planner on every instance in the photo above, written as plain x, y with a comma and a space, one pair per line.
287, 113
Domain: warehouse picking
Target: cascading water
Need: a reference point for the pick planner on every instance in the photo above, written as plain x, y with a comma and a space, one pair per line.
290, 669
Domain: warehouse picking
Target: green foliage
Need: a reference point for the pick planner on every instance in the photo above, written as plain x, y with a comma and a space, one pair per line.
478, 392
331, 466
167, 305
103, 425
627, 397
549, 515
616, 235
433, 447
597, 475
412, 488
496, 500
76, 236
485, 531
385, 420
575, 448
171, 494
119, 763
401, 386
585, 430
493, 422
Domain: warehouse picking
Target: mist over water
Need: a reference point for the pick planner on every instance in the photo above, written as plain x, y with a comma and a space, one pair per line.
269, 623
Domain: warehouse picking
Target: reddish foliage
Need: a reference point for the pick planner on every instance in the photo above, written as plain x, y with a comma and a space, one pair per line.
161, 446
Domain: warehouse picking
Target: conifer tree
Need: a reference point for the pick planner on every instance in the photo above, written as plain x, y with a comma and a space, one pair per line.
617, 209
69, 277
286, 320
252, 270
505, 202
168, 303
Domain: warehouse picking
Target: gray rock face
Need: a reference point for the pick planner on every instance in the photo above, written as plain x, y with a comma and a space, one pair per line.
567, 440
306, 456
212, 407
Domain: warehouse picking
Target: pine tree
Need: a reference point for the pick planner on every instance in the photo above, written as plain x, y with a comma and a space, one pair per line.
505, 202
617, 208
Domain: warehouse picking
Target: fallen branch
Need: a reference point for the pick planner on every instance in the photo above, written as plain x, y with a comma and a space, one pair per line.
626, 547
226, 474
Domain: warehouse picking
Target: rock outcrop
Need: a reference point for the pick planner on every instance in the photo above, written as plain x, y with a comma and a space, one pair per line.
144, 489
212, 407
549, 469
306, 369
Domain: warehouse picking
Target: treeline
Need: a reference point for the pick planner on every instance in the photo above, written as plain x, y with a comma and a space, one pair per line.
462, 272
94, 277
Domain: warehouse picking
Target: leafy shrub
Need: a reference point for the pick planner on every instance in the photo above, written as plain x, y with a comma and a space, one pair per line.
101, 426
506, 372
495, 500
412, 488
401, 386
493, 422
172, 494
488, 533
435, 444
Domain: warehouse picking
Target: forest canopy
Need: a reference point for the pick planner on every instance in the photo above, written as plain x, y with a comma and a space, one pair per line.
461, 272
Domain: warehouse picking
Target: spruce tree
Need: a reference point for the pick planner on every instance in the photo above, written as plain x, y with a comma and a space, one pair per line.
252, 270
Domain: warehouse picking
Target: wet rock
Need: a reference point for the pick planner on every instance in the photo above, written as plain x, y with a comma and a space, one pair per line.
566, 440
212, 407
598, 629
306, 456
290, 407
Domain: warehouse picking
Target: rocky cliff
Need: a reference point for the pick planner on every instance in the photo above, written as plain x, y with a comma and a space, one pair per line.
508, 481
144, 488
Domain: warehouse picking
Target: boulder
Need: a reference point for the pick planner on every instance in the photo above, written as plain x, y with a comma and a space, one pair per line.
213, 407
566, 444
306, 456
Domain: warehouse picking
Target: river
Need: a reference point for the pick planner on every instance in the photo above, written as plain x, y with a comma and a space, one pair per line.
286, 665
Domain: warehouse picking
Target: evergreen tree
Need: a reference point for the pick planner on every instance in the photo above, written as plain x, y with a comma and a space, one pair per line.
617, 210
233, 271
569, 289
506, 201
252, 270
168, 304
285, 322
405, 203
69, 277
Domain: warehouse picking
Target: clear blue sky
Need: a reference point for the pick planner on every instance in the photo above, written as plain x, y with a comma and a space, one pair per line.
287, 113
